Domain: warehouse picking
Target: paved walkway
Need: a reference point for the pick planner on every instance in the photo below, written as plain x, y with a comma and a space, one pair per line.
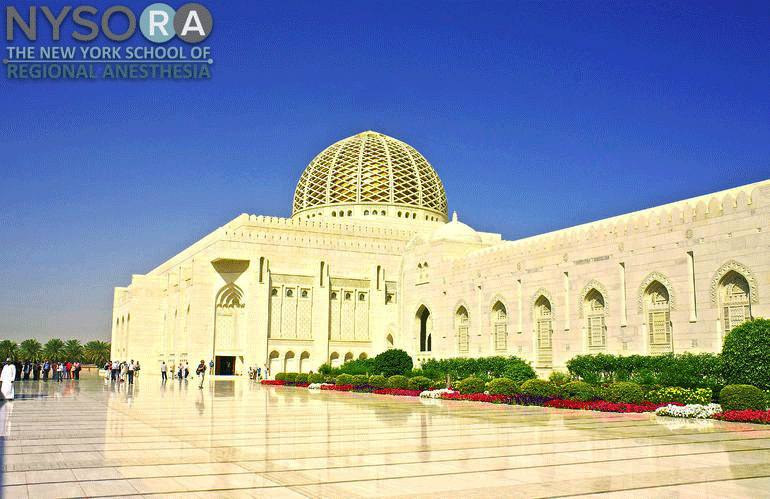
239, 439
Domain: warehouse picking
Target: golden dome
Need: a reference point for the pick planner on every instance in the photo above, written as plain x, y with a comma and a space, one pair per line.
370, 173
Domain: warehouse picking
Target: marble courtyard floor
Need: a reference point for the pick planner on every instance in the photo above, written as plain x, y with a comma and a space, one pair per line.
235, 438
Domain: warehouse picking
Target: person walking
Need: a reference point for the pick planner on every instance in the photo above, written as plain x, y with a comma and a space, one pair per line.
163, 372
115, 370
61, 371
211, 366
130, 368
201, 372
46, 369
6, 377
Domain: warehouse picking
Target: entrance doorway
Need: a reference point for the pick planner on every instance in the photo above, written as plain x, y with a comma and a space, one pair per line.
225, 365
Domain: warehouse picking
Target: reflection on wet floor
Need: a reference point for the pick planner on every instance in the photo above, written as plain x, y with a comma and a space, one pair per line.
235, 438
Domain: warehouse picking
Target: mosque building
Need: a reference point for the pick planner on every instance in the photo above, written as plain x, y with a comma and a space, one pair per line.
370, 260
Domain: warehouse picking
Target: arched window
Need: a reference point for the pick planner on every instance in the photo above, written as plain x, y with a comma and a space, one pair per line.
422, 318
500, 325
389, 341
463, 329
658, 312
734, 296
593, 311
348, 357
544, 331
366, 212
350, 212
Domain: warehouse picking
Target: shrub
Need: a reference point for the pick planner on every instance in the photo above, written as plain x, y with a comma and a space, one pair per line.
502, 386
280, 376
330, 379
519, 370
484, 367
378, 381
315, 378
420, 383
559, 378
741, 397
668, 394
357, 367
325, 368
471, 385
302, 378
746, 354
398, 382
343, 379
579, 390
392, 362
360, 379
623, 392
539, 388
290, 377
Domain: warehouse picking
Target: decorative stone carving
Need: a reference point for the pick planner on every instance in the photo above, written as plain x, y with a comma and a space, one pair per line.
540, 292
739, 268
592, 284
655, 276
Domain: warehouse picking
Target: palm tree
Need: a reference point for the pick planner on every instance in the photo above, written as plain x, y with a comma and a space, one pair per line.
72, 350
97, 352
8, 349
53, 349
30, 350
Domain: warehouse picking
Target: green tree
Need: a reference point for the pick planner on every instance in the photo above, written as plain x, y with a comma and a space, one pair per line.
746, 354
53, 349
392, 362
8, 349
30, 350
97, 352
72, 350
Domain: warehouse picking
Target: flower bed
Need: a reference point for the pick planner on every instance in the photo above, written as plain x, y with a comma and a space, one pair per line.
601, 405
337, 388
477, 397
744, 416
434, 394
273, 382
395, 391
698, 411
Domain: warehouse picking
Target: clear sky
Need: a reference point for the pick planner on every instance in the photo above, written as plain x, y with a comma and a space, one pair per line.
536, 115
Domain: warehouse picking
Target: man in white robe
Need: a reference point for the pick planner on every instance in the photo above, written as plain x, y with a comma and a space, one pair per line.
7, 377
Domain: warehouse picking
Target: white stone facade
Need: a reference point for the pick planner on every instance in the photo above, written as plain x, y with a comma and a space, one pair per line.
294, 293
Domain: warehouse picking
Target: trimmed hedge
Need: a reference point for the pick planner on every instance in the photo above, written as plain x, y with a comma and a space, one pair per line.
398, 382
290, 377
343, 379
746, 354
623, 392
580, 390
471, 385
559, 378
485, 368
315, 378
502, 386
378, 381
302, 378
540, 388
420, 383
360, 379
280, 376
741, 397
685, 370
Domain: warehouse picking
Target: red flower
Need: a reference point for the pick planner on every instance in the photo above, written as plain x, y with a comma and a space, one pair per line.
745, 416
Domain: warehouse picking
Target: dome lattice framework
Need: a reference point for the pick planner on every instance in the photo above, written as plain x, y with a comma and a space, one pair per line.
370, 168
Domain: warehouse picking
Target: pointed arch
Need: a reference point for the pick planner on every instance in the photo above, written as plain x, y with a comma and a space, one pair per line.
662, 279
543, 322
593, 284
422, 321
462, 325
541, 292
657, 313
231, 295
594, 305
499, 319
743, 270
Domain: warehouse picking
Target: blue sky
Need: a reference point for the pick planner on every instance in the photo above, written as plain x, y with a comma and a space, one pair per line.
536, 115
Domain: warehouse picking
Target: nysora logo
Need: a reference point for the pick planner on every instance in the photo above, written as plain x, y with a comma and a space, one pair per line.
192, 23
159, 23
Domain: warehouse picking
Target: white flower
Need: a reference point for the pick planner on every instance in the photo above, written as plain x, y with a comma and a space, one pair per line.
317, 386
434, 394
689, 411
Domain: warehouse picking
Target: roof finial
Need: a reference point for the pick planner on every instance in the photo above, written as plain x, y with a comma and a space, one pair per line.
454, 216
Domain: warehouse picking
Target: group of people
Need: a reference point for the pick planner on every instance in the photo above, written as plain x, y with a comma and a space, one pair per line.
119, 372
256, 373
33, 370
183, 371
